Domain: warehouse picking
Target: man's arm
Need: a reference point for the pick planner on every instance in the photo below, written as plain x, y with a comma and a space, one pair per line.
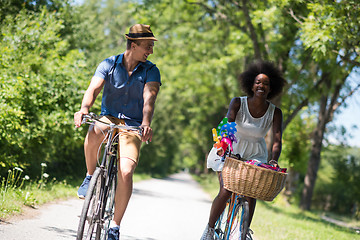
151, 90
90, 95
277, 134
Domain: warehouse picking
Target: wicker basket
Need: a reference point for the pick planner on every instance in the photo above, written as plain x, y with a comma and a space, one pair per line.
252, 181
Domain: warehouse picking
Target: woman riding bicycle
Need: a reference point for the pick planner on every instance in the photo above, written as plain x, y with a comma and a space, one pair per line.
253, 115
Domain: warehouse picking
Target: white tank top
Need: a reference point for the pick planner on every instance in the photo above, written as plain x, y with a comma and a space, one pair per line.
251, 132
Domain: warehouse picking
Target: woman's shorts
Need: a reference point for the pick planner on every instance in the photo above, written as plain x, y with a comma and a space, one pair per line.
129, 142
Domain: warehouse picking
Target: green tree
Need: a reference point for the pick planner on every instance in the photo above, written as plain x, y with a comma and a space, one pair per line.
337, 189
102, 26
40, 80
222, 37
331, 32
241, 31
196, 91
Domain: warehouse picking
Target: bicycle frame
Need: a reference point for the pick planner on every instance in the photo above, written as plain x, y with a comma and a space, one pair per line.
226, 226
98, 209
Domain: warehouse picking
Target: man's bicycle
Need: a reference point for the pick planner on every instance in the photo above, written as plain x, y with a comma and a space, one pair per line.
98, 207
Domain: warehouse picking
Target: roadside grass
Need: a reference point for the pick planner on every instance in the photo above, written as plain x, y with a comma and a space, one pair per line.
140, 177
18, 191
281, 220
13, 201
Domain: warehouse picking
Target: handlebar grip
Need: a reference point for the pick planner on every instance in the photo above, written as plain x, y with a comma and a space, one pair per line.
92, 115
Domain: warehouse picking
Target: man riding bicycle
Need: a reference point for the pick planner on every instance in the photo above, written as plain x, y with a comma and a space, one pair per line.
130, 86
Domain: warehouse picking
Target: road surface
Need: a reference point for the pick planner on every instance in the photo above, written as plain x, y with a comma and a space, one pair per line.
174, 208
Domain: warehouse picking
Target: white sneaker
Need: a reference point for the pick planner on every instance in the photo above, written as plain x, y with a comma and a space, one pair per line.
208, 233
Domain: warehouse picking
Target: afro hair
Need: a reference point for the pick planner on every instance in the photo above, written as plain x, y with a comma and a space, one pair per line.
247, 78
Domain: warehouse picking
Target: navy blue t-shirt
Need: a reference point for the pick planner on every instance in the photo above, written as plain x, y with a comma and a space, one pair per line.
123, 95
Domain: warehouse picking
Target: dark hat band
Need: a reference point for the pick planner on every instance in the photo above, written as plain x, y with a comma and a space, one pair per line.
139, 35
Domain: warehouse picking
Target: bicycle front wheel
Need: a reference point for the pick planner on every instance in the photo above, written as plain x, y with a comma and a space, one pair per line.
107, 211
234, 221
239, 224
89, 222
244, 220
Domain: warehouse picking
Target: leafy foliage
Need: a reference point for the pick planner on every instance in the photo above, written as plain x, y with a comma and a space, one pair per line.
195, 91
49, 50
39, 89
338, 189
332, 28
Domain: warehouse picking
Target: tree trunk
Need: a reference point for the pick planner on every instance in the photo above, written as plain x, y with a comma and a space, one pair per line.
326, 111
291, 181
252, 32
314, 160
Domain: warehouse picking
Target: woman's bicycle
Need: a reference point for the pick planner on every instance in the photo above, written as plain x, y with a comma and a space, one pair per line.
233, 223
243, 180
98, 207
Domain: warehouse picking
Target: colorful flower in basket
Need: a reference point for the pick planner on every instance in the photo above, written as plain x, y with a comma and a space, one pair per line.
224, 136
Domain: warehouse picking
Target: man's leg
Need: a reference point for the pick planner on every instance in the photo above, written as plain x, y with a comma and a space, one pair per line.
129, 149
92, 143
124, 188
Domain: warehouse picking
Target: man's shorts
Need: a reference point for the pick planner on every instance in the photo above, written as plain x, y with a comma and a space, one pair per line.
129, 142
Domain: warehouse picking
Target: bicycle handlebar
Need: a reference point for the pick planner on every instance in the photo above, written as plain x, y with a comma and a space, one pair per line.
92, 117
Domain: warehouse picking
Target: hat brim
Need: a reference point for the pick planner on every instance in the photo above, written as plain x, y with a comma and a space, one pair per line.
141, 38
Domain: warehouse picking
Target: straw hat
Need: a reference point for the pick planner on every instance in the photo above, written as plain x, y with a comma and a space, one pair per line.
140, 32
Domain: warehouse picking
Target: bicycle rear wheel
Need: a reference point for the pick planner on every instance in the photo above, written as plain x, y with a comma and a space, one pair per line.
90, 218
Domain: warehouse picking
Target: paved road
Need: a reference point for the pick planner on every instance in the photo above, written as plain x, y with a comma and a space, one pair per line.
174, 208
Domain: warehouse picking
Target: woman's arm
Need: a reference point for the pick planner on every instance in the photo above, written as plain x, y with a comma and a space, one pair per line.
234, 107
277, 134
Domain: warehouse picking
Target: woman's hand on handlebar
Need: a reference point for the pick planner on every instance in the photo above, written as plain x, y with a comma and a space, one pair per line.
274, 163
78, 117
147, 133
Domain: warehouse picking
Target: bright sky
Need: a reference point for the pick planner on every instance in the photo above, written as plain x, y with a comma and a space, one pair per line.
351, 116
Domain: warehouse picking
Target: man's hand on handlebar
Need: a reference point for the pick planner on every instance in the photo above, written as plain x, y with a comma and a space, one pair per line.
78, 117
147, 133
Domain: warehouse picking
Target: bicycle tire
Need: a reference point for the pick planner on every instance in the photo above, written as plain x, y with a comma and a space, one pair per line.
90, 211
107, 210
244, 224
